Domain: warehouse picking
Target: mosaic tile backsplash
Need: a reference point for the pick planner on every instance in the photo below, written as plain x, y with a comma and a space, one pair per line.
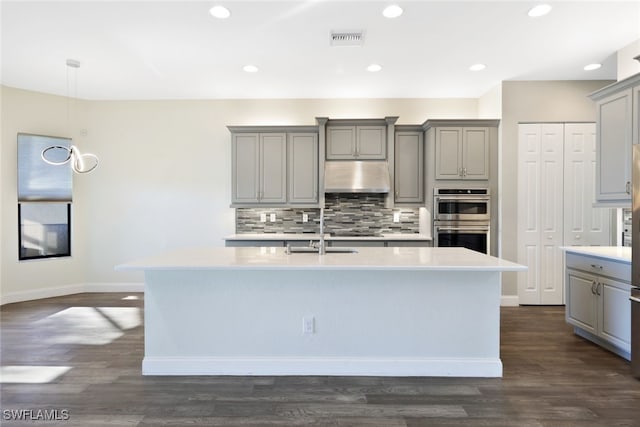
358, 213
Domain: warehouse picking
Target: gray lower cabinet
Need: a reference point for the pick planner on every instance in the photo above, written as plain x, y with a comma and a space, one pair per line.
254, 243
409, 243
259, 168
409, 167
462, 153
598, 301
356, 243
356, 142
302, 162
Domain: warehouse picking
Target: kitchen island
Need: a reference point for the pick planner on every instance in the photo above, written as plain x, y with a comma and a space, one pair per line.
379, 311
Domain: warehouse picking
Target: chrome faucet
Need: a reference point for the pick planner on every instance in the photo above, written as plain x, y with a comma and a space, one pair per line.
321, 247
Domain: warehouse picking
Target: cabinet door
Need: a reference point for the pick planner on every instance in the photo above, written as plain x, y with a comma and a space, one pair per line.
245, 168
614, 135
273, 168
615, 312
303, 168
371, 142
409, 167
341, 142
448, 153
581, 310
475, 153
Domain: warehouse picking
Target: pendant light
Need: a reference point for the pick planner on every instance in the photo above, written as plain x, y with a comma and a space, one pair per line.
80, 162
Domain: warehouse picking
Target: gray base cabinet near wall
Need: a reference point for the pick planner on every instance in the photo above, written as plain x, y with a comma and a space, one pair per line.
597, 298
617, 127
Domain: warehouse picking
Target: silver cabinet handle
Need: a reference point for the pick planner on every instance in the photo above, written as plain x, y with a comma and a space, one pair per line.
628, 187
598, 267
598, 289
593, 287
464, 172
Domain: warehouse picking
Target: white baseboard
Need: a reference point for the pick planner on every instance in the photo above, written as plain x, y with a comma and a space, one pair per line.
41, 293
114, 287
59, 291
358, 366
509, 301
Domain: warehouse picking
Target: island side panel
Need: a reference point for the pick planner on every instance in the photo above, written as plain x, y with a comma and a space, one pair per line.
247, 322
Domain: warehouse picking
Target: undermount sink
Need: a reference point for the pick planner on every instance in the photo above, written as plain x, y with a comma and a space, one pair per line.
309, 249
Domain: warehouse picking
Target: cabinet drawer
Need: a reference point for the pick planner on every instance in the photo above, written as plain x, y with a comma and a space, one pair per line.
600, 266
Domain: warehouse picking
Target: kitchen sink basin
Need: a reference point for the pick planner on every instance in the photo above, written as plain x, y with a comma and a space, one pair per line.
309, 249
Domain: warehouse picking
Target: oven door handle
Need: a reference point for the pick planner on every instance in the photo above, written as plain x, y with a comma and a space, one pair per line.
460, 228
462, 199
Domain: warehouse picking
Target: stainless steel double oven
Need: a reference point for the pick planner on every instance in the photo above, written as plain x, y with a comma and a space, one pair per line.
462, 217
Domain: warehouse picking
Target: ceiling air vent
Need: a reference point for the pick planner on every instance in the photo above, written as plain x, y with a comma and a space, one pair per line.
347, 38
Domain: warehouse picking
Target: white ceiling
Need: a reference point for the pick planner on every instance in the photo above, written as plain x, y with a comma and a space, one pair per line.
177, 50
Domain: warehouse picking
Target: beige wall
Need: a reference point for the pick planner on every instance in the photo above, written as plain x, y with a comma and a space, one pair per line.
164, 176
36, 113
539, 101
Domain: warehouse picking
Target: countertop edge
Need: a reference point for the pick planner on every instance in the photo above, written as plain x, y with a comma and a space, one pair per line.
613, 253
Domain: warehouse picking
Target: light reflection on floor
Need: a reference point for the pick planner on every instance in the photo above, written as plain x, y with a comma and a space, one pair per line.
89, 325
31, 374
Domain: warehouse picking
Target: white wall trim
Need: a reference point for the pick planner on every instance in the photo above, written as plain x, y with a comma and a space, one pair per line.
41, 293
78, 288
114, 287
359, 366
509, 301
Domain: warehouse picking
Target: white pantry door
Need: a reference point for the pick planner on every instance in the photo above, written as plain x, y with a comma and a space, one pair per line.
540, 212
584, 225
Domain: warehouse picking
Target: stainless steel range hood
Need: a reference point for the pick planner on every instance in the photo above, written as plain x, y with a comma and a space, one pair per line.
346, 176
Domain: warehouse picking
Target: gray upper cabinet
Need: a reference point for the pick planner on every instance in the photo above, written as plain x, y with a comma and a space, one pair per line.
462, 153
356, 142
259, 168
409, 167
303, 168
617, 109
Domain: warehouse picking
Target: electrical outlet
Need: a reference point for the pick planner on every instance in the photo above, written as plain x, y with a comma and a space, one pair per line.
396, 217
305, 217
308, 325
263, 217
272, 217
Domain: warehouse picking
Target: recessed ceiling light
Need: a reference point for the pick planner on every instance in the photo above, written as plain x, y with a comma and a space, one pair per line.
592, 67
374, 68
392, 11
477, 67
250, 68
220, 12
539, 10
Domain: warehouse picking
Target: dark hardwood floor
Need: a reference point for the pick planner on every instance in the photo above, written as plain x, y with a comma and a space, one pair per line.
95, 341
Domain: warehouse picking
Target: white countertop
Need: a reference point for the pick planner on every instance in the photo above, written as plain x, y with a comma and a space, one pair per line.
303, 236
615, 253
266, 258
